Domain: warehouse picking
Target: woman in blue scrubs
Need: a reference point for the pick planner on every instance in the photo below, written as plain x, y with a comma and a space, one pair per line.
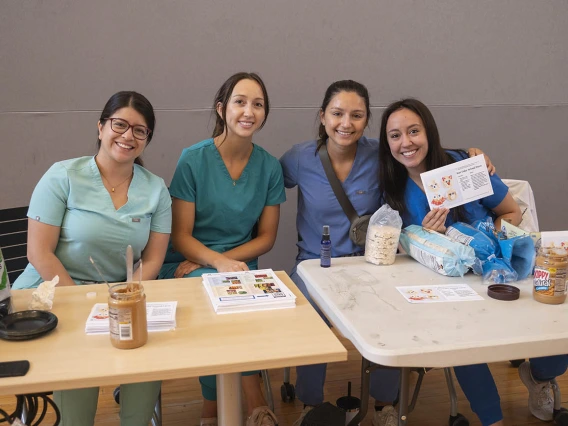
96, 207
344, 115
226, 194
410, 145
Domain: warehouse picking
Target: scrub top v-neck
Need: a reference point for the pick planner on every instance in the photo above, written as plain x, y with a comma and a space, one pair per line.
226, 209
72, 196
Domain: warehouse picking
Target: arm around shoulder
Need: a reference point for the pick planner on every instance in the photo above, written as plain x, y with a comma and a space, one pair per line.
290, 167
507, 209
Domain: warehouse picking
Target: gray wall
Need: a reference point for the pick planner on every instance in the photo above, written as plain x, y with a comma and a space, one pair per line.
493, 71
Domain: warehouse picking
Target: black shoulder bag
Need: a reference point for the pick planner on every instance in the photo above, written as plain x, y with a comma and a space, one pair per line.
359, 224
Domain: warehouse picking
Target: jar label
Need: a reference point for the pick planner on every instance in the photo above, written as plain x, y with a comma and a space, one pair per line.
120, 322
560, 288
541, 280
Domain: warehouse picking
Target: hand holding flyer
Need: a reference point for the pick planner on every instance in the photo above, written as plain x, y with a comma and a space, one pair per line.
457, 183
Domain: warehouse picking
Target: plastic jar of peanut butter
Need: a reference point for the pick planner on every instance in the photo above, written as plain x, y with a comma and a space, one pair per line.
127, 316
550, 276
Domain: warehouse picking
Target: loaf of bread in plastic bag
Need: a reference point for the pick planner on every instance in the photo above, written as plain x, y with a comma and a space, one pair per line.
438, 252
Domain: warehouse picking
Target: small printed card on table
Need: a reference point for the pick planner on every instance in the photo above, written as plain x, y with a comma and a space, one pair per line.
457, 183
161, 316
439, 293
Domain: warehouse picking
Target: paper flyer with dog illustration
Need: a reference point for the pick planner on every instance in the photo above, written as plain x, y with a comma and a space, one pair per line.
439, 293
247, 291
458, 183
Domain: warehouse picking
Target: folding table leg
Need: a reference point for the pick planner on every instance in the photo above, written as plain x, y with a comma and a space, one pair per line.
365, 383
229, 403
452, 391
403, 399
366, 368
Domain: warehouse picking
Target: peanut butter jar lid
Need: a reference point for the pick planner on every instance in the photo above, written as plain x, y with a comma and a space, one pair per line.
503, 292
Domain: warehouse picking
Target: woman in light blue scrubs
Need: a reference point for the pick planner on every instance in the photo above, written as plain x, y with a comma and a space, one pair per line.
344, 115
226, 194
410, 145
96, 207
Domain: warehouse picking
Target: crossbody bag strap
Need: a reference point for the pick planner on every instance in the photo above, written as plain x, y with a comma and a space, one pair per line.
338, 190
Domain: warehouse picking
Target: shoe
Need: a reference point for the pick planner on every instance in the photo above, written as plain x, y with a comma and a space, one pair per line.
209, 421
262, 416
541, 401
388, 416
305, 411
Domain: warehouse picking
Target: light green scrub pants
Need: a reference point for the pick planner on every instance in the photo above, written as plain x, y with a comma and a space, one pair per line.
137, 401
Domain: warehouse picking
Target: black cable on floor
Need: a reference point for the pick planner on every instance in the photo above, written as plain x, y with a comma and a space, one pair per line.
32, 403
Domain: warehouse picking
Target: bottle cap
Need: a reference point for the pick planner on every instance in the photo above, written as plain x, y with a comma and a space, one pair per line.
503, 292
325, 229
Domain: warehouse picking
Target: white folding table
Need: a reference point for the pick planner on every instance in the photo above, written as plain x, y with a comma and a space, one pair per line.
362, 302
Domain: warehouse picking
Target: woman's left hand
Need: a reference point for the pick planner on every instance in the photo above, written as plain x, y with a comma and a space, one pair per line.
472, 152
435, 220
186, 267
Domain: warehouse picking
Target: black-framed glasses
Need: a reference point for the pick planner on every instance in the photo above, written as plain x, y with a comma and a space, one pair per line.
121, 126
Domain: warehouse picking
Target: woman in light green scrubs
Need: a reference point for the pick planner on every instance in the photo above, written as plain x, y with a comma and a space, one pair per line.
96, 207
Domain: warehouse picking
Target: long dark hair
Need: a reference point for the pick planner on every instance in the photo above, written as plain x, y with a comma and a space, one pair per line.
335, 88
224, 94
393, 175
133, 100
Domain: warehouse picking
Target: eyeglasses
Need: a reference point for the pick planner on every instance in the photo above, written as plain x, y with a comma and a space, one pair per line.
120, 126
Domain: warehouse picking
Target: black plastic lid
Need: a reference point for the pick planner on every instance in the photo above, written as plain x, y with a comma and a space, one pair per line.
503, 292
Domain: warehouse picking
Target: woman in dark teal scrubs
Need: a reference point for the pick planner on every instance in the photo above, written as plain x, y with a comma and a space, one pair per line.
223, 189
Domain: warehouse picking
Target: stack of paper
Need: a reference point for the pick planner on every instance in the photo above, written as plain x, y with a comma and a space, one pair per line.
247, 291
161, 316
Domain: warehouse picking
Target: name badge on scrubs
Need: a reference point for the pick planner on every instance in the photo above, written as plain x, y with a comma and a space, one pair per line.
135, 219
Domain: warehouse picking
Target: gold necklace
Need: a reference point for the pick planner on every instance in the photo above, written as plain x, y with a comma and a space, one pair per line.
112, 188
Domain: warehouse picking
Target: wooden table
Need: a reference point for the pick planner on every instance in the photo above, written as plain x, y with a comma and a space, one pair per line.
203, 343
362, 302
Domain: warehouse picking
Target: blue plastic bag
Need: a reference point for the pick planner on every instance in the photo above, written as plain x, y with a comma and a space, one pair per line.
517, 253
476, 239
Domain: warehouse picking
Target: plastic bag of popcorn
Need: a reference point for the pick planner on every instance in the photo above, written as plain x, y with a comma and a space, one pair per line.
382, 236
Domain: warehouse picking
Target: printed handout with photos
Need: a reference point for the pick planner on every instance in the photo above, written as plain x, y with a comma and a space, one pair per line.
458, 183
247, 291
439, 293
161, 316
